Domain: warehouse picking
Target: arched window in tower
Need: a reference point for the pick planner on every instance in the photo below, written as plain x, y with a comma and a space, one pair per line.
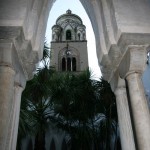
63, 64
69, 64
68, 60
52, 146
74, 64
79, 36
68, 35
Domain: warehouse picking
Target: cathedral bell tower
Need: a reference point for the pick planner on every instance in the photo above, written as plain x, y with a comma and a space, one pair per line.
69, 44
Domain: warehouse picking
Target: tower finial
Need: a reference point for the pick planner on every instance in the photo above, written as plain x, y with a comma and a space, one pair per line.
68, 11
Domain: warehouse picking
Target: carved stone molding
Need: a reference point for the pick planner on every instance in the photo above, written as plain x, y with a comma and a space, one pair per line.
133, 61
17, 52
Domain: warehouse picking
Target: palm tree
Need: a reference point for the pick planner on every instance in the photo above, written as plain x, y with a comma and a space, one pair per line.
70, 104
41, 112
34, 103
84, 108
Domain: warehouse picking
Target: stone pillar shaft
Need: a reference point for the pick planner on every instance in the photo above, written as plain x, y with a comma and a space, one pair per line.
126, 133
6, 97
140, 110
13, 126
18, 93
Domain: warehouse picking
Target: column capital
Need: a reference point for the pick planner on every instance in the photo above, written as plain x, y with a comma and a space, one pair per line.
117, 83
134, 60
15, 49
10, 59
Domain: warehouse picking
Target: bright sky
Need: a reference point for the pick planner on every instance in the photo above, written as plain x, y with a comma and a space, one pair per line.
60, 7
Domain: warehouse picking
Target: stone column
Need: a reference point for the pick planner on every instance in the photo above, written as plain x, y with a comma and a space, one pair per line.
125, 126
11, 72
131, 68
140, 110
18, 92
6, 96
14, 120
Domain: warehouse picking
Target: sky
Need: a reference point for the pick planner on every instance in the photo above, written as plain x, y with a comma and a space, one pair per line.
60, 7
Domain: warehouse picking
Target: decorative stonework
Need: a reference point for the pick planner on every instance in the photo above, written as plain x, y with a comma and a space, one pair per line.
70, 22
134, 61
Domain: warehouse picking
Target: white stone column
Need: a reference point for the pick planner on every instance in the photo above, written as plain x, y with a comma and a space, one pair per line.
140, 110
14, 121
125, 126
124, 119
11, 72
18, 92
131, 68
6, 96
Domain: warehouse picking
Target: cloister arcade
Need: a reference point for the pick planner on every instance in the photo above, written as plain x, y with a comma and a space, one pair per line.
122, 33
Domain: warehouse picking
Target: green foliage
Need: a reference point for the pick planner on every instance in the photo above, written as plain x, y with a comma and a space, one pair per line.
34, 103
84, 108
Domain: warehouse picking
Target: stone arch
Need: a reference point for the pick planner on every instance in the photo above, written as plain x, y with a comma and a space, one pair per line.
34, 26
109, 29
